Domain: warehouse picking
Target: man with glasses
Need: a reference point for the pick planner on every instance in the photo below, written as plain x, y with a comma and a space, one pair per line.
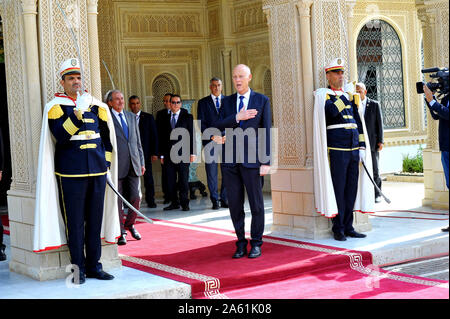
177, 153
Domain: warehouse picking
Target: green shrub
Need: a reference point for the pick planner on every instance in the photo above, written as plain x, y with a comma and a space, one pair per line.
413, 164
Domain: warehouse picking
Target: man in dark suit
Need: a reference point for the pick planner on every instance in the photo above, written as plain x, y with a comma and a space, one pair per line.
440, 112
178, 153
373, 118
149, 141
161, 118
208, 113
131, 163
244, 161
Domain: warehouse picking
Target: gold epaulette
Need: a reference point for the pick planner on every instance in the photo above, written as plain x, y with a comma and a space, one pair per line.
55, 112
357, 99
102, 114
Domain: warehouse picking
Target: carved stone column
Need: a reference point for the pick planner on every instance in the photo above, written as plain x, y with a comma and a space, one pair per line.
352, 62
304, 10
227, 71
33, 80
94, 52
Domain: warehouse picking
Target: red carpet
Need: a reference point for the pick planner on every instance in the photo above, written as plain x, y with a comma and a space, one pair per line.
5, 222
201, 256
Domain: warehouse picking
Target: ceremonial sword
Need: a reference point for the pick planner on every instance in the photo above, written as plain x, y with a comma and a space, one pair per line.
108, 179
374, 184
110, 183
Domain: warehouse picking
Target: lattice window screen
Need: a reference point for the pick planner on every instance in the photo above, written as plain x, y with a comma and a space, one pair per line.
164, 83
380, 67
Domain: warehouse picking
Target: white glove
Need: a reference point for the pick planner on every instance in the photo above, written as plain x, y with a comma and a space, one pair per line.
350, 87
83, 101
362, 155
109, 177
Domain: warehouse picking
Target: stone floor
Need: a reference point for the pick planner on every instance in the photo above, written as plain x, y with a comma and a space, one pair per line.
391, 241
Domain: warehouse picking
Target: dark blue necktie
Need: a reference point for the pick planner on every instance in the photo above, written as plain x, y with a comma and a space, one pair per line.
124, 125
241, 106
173, 122
217, 105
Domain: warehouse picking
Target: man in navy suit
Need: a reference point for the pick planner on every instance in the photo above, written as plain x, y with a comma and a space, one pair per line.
149, 141
246, 119
208, 113
177, 162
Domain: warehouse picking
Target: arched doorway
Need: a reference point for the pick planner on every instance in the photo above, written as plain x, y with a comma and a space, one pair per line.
163, 83
379, 56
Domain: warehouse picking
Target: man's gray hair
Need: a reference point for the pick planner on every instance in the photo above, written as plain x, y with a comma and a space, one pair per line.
215, 79
361, 85
108, 95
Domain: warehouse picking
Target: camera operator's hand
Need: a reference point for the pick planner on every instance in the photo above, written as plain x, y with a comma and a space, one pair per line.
428, 94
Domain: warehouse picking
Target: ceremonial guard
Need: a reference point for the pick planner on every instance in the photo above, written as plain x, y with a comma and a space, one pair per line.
76, 152
340, 139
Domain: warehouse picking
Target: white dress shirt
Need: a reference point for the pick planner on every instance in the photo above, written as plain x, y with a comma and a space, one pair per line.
245, 100
138, 116
363, 106
116, 114
214, 100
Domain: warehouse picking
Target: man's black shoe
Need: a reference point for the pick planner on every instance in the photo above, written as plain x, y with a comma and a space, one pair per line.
185, 208
100, 275
215, 204
172, 207
134, 233
223, 204
81, 279
354, 234
122, 240
445, 229
255, 252
339, 237
240, 252
2, 252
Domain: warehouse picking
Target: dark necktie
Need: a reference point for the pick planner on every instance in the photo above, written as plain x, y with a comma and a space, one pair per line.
173, 122
241, 106
217, 104
124, 125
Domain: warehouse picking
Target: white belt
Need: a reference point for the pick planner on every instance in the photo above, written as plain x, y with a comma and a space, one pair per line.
346, 125
85, 137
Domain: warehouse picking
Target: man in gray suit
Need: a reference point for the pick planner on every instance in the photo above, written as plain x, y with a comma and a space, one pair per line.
131, 163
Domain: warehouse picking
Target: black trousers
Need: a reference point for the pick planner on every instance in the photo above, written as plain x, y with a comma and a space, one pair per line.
149, 183
164, 182
177, 182
81, 200
344, 167
236, 178
376, 173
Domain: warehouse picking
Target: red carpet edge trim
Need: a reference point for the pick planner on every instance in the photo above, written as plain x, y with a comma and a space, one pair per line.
212, 284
